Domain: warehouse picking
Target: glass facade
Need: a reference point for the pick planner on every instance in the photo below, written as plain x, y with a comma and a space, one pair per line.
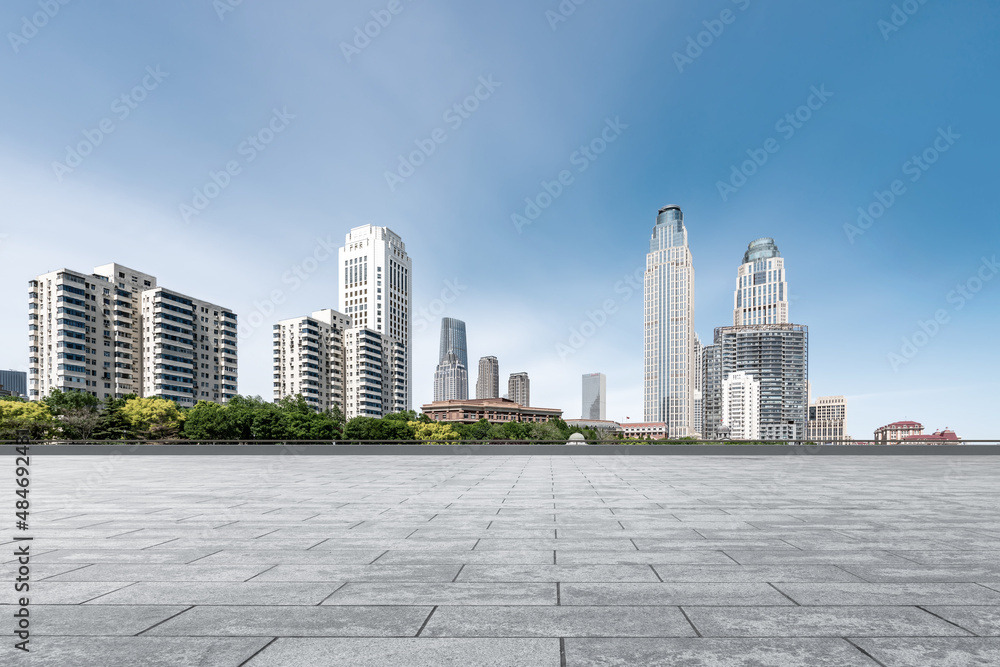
451, 379
594, 399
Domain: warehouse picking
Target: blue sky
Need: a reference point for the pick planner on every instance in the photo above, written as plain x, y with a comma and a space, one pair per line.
553, 86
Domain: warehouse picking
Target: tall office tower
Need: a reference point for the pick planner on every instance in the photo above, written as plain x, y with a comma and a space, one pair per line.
16, 382
741, 406
376, 292
595, 396
114, 332
488, 382
368, 357
669, 326
828, 419
699, 394
778, 356
519, 388
309, 359
451, 379
761, 295
711, 391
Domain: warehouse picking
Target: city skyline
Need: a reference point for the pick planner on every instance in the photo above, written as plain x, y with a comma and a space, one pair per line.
903, 287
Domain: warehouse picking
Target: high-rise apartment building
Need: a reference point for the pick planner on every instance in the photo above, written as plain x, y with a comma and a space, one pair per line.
451, 378
778, 356
368, 357
16, 382
761, 295
741, 406
310, 359
699, 394
488, 382
828, 419
519, 388
594, 396
114, 332
711, 391
376, 293
669, 372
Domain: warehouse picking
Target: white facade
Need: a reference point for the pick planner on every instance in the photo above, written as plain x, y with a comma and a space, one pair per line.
669, 354
451, 379
761, 295
367, 358
488, 382
828, 419
309, 359
741, 406
114, 332
376, 293
519, 388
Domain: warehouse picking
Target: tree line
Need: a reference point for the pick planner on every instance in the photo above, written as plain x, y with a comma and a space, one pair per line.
78, 415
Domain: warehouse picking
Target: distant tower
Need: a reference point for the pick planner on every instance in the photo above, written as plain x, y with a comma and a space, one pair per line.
761, 295
594, 396
488, 383
451, 379
741, 406
669, 374
518, 388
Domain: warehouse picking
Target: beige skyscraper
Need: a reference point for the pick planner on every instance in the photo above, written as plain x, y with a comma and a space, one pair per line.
669, 355
488, 382
519, 388
310, 359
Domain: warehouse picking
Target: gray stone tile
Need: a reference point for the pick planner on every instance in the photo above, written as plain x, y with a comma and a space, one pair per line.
943, 652
889, 594
306, 621
93, 620
919, 573
71, 592
752, 573
818, 622
159, 572
691, 557
553, 573
377, 572
443, 594
714, 653
982, 621
410, 653
175, 556
577, 621
793, 557
133, 651
220, 593
671, 594
463, 557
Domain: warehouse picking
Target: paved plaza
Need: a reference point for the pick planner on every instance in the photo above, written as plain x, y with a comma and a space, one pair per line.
722, 561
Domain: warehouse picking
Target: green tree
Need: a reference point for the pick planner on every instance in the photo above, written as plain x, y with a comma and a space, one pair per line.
76, 412
35, 418
369, 428
433, 431
207, 421
153, 417
112, 425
